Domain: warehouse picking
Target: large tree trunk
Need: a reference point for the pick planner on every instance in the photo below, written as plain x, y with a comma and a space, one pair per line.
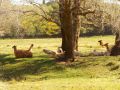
76, 23
116, 48
70, 29
117, 37
115, 51
67, 30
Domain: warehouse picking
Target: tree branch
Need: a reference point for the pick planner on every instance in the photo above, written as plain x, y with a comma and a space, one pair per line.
49, 19
86, 12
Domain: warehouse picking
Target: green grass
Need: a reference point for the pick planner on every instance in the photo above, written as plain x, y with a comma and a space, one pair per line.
42, 73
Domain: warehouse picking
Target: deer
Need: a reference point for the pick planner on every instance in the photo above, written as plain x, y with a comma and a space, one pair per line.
96, 53
107, 53
101, 43
49, 52
23, 53
54, 53
30, 49
107, 47
59, 52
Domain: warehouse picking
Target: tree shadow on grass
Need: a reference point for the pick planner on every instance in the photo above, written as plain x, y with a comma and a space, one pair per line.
41, 66
5, 59
19, 69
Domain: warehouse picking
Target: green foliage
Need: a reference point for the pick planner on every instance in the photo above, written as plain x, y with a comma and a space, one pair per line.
33, 24
49, 28
36, 25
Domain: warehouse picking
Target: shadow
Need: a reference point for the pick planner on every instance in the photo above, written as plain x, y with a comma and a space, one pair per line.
41, 66
44, 57
23, 67
85, 62
6, 59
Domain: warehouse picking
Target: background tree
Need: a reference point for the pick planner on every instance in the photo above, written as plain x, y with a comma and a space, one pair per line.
43, 1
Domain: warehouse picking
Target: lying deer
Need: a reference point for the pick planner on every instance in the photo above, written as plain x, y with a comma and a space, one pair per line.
101, 43
107, 47
98, 53
23, 53
54, 53
60, 52
107, 53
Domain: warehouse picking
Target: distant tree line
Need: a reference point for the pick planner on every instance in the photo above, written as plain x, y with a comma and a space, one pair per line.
30, 21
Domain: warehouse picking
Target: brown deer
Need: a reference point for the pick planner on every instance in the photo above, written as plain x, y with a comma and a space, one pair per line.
106, 53
101, 43
30, 47
107, 48
23, 53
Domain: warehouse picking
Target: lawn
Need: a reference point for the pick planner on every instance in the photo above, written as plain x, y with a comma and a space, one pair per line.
42, 73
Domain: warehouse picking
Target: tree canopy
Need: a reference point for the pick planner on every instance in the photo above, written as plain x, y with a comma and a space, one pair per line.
30, 20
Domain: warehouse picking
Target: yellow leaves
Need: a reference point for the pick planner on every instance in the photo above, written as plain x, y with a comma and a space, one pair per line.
49, 28
30, 23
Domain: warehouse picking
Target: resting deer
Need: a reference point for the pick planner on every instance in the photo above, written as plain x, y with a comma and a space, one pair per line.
23, 53
49, 52
30, 47
60, 52
101, 43
108, 49
54, 53
96, 53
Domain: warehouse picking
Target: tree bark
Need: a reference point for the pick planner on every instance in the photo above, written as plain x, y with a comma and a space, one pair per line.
67, 30
70, 27
76, 23
116, 38
115, 51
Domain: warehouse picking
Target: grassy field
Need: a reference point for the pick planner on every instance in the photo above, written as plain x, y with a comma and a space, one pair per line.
42, 73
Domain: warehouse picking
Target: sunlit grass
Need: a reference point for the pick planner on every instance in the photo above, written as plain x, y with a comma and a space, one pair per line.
64, 84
